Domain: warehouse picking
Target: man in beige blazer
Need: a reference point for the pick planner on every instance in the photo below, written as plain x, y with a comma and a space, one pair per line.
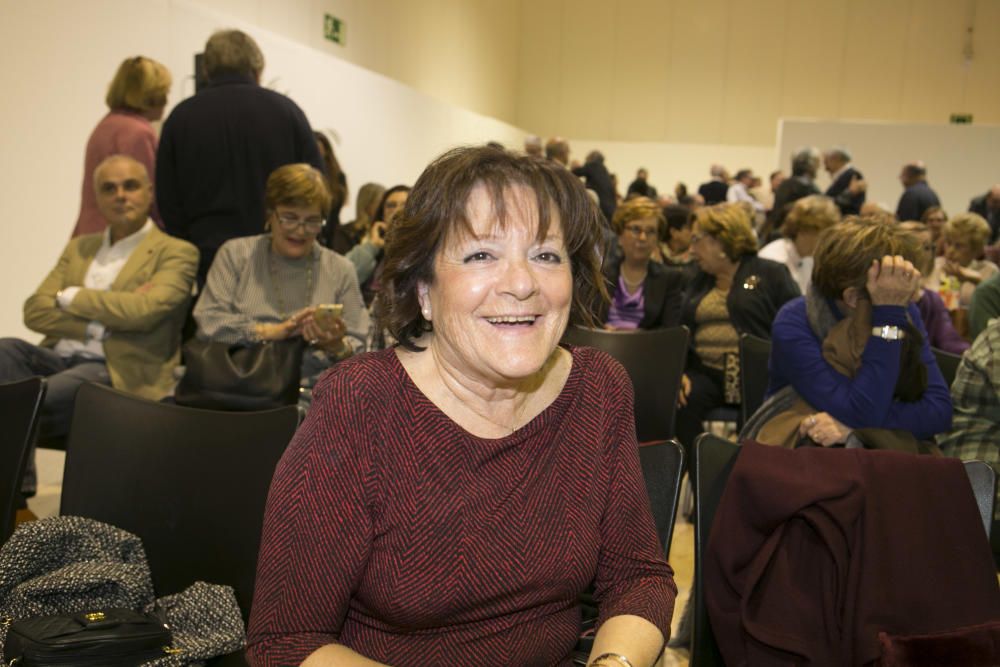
112, 308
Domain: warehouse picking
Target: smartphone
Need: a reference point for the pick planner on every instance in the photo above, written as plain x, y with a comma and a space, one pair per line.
326, 314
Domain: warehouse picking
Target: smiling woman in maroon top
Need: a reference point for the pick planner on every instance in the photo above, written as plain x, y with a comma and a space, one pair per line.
447, 500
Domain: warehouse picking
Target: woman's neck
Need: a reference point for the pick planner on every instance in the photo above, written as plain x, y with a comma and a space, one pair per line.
485, 408
635, 270
724, 276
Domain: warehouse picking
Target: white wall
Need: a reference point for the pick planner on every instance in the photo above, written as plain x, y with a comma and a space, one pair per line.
961, 159
59, 57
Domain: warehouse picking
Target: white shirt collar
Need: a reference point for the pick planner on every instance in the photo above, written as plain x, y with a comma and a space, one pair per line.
127, 244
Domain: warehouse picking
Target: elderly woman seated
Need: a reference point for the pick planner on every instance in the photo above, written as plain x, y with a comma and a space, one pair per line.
733, 292
809, 216
940, 329
852, 354
959, 271
446, 500
269, 287
644, 294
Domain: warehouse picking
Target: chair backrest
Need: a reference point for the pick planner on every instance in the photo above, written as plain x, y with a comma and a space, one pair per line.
948, 363
754, 355
20, 405
654, 360
662, 466
714, 459
983, 479
190, 483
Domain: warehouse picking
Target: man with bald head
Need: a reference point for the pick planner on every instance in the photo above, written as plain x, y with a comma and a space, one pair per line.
112, 308
988, 206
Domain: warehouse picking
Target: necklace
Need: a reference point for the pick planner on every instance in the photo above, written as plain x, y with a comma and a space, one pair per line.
633, 285
282, 309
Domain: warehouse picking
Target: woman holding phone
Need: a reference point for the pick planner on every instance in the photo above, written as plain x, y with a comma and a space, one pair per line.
283, 283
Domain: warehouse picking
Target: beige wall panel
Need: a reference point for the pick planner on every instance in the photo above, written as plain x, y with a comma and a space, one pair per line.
813, 67
982, 96
641, 85
699, 37
874, 58
587, 71
752, 97
935, 72
540, 51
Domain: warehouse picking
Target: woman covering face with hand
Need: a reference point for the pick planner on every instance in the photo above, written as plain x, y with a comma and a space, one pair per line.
855, 349
447, 500
268, 287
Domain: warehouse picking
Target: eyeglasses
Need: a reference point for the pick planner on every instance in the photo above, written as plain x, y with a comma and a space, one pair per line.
289, 221
637, 231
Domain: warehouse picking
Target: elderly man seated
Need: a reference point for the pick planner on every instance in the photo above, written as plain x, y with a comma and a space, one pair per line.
112, 308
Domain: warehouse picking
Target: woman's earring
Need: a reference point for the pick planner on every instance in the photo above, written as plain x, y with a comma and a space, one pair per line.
427, 313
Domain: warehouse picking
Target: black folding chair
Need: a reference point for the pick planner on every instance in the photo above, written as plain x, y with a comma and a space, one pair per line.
20, 405
191, 483
654, 360
754, 355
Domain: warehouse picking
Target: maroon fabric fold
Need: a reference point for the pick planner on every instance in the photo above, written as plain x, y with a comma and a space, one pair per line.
813, 552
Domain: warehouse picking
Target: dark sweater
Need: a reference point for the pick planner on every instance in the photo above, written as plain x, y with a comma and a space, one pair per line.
216, 151
393, 531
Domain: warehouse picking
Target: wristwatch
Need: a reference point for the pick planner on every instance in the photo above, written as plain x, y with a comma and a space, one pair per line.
889, 332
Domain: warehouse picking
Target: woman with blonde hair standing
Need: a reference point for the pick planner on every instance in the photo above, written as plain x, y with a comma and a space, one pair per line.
136, 97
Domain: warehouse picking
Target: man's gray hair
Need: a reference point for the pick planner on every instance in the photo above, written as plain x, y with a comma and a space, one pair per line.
232, 52
805, 161
840, 152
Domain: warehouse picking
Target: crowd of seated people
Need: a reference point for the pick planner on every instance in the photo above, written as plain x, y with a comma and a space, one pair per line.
252, 241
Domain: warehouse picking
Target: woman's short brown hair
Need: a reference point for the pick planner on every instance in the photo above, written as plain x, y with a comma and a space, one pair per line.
970, 227
730, 225
638, 208
845, 252
140, 84
810, 214
297, 185
437, 208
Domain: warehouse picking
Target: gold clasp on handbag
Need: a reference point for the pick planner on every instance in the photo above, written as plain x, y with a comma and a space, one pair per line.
169, 650
94, 616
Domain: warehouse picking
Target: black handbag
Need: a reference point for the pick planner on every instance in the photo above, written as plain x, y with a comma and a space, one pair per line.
109, 638
221, 376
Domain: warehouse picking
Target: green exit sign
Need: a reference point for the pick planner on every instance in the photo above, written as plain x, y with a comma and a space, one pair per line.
334, 29
961, 118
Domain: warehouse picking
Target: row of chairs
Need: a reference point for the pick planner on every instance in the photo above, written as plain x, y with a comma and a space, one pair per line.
192, 484
655, 362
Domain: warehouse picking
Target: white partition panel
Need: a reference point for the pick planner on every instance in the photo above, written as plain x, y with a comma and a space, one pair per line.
962, 160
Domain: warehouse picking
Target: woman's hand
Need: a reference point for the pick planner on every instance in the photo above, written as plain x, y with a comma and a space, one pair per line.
824, 429
376, 234
282, 330
329, 339
682, 396
963, 273
892, 281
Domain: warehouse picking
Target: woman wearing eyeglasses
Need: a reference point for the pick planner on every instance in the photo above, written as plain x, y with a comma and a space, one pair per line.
267, 287
644, 293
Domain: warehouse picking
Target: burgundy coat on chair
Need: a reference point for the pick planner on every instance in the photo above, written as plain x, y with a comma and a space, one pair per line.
813, 552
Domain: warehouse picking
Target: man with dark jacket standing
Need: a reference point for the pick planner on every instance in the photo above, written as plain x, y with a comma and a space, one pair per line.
988, 206
218, 147
917, 196
847, 185
596, 177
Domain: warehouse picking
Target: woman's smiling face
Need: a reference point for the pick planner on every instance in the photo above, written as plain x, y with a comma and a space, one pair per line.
500, 298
